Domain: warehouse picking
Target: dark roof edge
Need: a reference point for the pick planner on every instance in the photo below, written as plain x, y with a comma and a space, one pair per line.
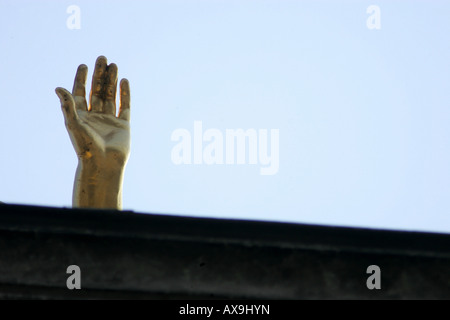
128, 224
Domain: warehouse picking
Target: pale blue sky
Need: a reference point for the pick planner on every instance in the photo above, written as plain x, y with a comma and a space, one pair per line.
363, 115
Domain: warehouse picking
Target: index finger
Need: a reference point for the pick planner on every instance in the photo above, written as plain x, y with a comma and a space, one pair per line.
79, 87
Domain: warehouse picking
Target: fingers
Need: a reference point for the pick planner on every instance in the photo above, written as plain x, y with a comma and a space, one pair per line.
124, 112
98, 81
67, 105
110, 89
79, 88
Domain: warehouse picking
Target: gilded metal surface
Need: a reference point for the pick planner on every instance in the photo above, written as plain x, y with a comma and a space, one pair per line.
100, 137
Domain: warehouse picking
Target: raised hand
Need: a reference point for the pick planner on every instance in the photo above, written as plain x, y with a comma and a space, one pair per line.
100, 138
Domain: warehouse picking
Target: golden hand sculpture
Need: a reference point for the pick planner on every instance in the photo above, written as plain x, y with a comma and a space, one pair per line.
100, 138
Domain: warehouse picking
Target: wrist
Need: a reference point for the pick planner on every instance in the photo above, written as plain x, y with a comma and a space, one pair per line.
101, 168
98, 183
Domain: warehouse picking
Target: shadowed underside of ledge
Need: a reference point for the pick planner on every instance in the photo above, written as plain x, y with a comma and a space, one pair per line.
127, 255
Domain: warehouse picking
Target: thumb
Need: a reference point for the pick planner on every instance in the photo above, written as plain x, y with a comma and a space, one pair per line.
67, 104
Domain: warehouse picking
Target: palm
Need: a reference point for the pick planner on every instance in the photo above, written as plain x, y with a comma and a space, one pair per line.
96, 130
107, 132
